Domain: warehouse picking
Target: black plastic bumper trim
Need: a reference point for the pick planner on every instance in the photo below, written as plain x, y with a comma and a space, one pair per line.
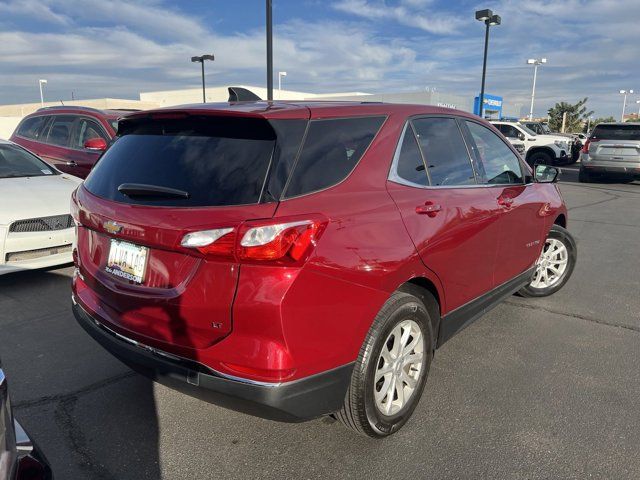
295, 401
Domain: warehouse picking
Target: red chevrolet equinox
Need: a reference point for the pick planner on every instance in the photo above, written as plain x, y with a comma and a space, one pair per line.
297, 260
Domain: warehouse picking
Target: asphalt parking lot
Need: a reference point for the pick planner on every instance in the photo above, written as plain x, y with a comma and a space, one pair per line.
536, 389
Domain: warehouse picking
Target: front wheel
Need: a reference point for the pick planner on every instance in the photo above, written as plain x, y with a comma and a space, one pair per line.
391, 369
539, 158
554, 266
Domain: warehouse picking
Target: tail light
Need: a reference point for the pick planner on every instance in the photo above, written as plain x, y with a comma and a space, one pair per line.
585, 148
75, 209
281, 241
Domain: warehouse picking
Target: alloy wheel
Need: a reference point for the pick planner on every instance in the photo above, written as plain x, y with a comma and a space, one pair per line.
398, 368
551, 264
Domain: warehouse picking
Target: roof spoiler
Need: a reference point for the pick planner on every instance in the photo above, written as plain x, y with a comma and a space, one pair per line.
239, 94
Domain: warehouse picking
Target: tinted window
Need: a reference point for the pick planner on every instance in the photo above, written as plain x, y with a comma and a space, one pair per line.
509, 131
16, 162
444, 151
410, 166
499, 164
30, 128
289, 138
86, 129
331, 150
616, 132
218, 161
60, 130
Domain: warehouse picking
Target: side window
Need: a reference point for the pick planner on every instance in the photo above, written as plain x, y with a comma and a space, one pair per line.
86, 129
330, 152
409, 164
444, 151
510, 131
501, 165
31, 127
60, 130
289, 134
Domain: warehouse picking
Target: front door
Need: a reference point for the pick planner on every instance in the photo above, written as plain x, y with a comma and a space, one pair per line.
522, 212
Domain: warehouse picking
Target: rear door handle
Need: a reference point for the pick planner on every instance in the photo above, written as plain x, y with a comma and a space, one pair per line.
429, 208
504, 201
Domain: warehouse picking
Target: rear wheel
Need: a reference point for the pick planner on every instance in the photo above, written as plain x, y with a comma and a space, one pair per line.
584, 176
391, 370
554, 266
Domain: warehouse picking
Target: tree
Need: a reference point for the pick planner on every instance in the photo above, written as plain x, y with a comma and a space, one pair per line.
598, 120
576, 116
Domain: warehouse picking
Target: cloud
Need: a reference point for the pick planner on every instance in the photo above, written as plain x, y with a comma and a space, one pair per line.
404, 13
120, 48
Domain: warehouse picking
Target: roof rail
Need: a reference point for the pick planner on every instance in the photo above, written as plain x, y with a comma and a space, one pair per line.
71, 107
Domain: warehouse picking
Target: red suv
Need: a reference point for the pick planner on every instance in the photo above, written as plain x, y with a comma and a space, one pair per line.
69, 138
297, 260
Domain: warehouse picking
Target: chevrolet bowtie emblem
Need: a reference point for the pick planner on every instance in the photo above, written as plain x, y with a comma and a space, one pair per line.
112, 227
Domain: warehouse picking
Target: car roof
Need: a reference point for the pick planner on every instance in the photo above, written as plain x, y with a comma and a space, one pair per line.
306, 109
619, 124
108, 113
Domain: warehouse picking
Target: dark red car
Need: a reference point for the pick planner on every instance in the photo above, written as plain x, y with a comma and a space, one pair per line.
297, 260
69, 138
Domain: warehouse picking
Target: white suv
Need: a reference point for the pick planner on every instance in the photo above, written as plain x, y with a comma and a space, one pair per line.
544, 149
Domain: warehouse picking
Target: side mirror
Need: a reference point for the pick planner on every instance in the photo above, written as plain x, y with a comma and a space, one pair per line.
521, 136
97, 144
545, 174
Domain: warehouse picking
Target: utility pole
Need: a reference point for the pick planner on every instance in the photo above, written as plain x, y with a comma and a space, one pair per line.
269, 51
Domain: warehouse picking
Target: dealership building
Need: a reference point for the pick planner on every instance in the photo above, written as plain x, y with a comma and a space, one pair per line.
495, 106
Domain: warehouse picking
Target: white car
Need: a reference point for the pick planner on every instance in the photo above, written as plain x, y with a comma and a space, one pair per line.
544, 149
36, 228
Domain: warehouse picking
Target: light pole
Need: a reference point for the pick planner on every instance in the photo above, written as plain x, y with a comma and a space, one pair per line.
638, 117
269, 51
201, 59
41, 82
280, 75
489, 20
536, 62
624, 102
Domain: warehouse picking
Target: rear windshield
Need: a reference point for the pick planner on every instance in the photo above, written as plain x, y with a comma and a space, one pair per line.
16, 162
616, 132
216, 160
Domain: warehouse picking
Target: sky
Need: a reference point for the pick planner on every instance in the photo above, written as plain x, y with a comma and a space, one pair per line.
118, 48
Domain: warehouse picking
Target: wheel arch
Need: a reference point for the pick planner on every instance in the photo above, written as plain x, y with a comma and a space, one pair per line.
548, 150
561, 220
425, 289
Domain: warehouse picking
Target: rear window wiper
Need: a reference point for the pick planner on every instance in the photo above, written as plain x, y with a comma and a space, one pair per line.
143, 190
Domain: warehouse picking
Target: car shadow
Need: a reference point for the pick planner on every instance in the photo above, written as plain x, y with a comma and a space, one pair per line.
91, 415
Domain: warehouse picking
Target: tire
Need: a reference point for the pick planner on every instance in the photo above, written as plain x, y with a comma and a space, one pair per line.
363, 410
584, 176
539, 158
558, 237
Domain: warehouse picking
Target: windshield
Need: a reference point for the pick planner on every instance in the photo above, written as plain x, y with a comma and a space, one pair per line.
616, 132
17, 162
545, 128
527, 129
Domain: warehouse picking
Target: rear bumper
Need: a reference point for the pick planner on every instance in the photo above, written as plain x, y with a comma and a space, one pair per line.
295, 401
608, 166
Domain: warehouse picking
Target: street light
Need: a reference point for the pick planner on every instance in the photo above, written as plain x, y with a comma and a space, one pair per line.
638, 117
201, 59
269, 29
536, 62
41, 82
624, 102
280, 75
489, 20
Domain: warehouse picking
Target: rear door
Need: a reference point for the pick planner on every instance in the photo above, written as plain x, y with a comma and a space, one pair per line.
57, 138
520, 203
452, 220
182, 297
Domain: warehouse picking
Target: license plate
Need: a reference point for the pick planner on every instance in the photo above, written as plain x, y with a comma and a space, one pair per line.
127, 261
